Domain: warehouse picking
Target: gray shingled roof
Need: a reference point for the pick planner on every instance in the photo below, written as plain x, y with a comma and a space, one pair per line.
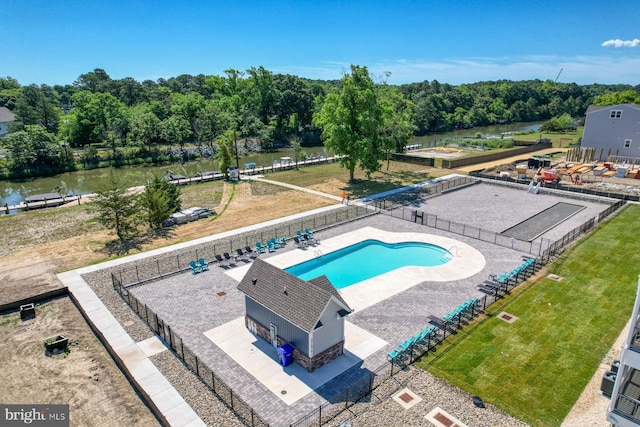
593, 108
303, 302
6, 116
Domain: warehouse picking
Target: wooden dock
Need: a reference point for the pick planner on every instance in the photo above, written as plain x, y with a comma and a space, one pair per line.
39, 204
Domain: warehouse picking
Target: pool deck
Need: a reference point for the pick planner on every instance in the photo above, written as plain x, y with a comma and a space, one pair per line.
206, 309
465, 262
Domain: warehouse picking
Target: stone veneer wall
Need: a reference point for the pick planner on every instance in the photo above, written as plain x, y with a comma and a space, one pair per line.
309, 363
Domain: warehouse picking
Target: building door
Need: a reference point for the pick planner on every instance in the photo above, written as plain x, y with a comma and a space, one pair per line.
273, 331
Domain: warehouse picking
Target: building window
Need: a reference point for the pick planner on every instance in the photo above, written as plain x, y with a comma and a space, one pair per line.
627, 143
615, 114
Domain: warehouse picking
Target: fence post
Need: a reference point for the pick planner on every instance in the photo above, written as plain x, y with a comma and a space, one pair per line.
137, 276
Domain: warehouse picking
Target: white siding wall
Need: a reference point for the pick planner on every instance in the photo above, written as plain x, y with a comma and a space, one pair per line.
332, 330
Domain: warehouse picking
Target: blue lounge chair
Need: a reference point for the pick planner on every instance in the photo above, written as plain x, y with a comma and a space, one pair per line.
309, 234
204, 265
195, 268
270, 246
281, 241
261, 249
273, 242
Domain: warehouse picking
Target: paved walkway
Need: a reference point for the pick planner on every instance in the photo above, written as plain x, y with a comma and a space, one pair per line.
132, 357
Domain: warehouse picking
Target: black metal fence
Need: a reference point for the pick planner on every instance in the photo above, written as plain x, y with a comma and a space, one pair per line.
242, 410
534, 247
154, 268
568, 188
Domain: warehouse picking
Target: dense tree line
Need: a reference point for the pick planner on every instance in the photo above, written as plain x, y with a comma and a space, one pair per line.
152, 118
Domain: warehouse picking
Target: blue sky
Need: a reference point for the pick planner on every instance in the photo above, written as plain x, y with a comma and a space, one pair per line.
591, 41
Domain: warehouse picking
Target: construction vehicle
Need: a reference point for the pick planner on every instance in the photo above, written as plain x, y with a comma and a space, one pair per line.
546, 175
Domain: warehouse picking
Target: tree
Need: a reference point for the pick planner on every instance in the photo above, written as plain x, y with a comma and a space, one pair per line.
613, 98
94, 81
398, 127
34, 148
175, 130
145, 127
159, 200
39, 106
224, 154
296, 146
117, 208
558, 124
96, 115
351, 119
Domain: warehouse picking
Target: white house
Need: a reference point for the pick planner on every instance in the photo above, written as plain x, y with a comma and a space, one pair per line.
613, 130
6, 117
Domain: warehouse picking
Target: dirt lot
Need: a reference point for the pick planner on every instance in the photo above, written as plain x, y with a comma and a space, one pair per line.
86, 377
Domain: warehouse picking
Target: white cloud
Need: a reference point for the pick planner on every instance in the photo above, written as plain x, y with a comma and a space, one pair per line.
621, 43
577, 69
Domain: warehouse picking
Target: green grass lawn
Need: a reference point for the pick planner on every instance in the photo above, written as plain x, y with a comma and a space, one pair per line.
537, 367
398, 175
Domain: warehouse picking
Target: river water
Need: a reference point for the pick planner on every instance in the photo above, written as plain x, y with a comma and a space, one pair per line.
87, 181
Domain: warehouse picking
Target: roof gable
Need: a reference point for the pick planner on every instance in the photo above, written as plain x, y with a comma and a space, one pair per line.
323, 282
6, 116
299, 302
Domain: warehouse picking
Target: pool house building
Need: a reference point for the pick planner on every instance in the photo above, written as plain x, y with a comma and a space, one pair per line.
283, 309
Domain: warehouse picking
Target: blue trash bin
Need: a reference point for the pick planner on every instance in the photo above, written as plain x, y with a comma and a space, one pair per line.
285, 353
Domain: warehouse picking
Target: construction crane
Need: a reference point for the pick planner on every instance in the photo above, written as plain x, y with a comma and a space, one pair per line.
558, 76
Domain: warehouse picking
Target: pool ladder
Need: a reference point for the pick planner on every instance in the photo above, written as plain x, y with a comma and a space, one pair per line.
317, 254
453, 253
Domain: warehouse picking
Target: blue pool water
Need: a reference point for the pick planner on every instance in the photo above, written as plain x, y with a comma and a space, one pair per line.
368, 259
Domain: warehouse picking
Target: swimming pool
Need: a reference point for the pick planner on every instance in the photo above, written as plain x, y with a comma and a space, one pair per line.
368, 259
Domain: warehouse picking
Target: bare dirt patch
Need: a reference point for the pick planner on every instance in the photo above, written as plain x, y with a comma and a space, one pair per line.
442, 153
85, 378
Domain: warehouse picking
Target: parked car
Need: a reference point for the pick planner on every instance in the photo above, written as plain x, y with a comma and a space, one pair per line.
188, 215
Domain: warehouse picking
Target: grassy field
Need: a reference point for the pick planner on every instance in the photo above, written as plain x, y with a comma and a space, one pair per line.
537, 367
398, 175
